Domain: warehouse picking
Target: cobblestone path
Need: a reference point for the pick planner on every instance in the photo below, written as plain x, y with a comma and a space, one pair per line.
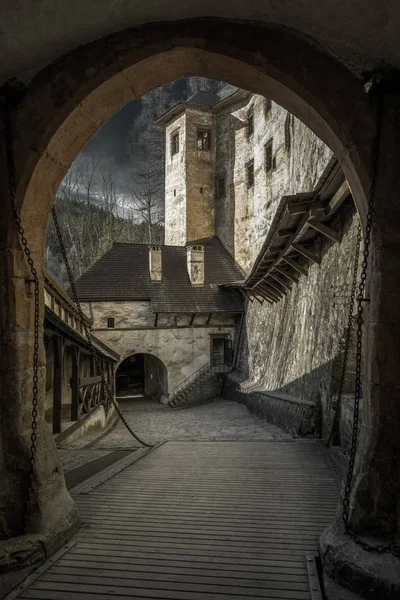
218, 420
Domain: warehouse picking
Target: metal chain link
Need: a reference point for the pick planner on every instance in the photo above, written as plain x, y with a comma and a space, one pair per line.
87, 331
8, 137
392, 548
345, 346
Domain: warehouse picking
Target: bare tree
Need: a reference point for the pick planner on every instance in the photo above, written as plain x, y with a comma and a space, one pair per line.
147, 189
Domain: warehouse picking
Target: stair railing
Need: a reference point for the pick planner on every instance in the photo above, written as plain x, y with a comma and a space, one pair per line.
212, 366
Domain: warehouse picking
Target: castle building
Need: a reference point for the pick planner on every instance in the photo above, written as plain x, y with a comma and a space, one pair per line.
253, 203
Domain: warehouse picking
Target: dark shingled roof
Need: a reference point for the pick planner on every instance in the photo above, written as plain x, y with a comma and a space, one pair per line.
123, 274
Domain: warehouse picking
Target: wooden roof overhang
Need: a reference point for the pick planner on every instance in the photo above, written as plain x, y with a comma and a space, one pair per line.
288, 248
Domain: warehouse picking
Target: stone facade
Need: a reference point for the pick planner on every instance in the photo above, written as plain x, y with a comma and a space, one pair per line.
189, 178
260, 153
181, 346
244, 214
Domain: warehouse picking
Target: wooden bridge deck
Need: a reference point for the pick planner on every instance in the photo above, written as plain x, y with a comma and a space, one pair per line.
200, 521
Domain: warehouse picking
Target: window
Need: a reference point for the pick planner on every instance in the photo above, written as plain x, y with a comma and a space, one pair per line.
175, 143
203, 139
110, 322
267, 106
250, 124
250, 173
288, 126
268, 156
221, 187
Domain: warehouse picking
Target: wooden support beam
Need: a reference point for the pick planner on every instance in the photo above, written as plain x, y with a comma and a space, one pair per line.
326, 231
58, 356
208, 319
307, 253
295, 265
292, 276
75, 356
156, 320
272, 284
192, 318
246, 294
274, 295
282, 283
299, 207
338, 198
286, 232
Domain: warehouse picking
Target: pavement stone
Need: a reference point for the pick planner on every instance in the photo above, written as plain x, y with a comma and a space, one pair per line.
216, 420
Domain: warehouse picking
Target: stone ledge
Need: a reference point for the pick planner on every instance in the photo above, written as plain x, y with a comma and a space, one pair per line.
32, 549
372, 576
293, 415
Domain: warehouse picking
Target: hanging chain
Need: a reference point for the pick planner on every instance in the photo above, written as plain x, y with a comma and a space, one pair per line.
346, 344
100, 370
392, 548
8, 137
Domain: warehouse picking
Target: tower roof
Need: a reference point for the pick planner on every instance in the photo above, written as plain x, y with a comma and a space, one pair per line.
206, 102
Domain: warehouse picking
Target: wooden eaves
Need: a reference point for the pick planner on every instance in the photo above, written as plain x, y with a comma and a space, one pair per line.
288, 249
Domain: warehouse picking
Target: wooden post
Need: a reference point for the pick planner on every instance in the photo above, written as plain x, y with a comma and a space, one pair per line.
75, 355
58, 352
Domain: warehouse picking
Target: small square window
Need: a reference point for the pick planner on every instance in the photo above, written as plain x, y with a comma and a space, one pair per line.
203, 139
175, 143
267, 106
250, 124
221, 187
268, 156
250, 173
110, 322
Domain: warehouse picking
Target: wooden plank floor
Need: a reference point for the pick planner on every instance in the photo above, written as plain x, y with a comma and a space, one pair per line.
200, 521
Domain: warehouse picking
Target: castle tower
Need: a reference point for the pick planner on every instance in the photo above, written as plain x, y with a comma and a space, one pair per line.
189, 169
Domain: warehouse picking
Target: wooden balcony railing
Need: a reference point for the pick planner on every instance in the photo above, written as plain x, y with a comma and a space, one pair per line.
87, 393
58, 303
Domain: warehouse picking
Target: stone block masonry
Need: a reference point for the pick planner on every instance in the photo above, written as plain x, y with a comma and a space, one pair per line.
293, 415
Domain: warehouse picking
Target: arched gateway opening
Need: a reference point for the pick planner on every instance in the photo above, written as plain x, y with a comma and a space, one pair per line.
142, 375
69, 100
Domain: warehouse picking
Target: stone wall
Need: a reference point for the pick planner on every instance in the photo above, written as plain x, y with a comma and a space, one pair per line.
175, 185
293, 346
200, 214
245, 214
182, 348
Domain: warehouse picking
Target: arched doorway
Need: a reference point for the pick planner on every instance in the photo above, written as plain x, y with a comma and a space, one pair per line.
142, 375
59, 114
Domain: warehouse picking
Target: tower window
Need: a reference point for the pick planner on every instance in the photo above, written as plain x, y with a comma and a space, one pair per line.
250, 124
267, 106
203, 139
250, 173
110, 322
175, 143
221, 187
268, 156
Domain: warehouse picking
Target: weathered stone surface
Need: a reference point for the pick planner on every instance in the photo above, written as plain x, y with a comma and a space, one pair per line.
374, 576
299, 157
182, 349
295, 416
293, 346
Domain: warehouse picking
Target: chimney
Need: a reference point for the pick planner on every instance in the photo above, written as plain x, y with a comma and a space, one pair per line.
195, 265
155, 263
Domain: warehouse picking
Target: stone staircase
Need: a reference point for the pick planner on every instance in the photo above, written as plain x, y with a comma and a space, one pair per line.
202, 386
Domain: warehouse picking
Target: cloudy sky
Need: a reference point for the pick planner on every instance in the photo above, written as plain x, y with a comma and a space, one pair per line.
120, 141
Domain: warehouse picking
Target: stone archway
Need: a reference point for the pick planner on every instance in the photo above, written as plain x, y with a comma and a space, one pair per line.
142, 375
70, 99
